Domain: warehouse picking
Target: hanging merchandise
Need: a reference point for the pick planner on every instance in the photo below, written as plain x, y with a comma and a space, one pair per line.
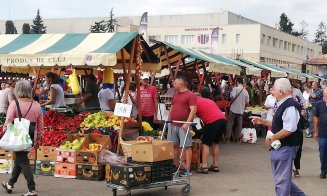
108, 76
73, 83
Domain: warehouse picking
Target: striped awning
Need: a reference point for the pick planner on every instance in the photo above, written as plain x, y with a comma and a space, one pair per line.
276, 73
90, 49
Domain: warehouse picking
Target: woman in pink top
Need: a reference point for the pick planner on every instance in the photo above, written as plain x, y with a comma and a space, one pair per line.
214, 127
30, 110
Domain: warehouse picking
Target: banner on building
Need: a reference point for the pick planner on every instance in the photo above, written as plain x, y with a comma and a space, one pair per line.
144, 26
214, 40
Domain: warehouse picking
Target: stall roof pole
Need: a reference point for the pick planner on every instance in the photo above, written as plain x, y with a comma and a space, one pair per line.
122, 51
169, 65
178, 65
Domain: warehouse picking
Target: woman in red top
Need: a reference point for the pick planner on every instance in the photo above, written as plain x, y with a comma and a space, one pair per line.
31, 111
214, 127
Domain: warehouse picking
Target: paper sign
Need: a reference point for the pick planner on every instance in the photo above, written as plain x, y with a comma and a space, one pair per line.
123, 110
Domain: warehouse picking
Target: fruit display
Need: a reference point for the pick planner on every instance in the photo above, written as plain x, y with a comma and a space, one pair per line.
52, 138
92, 147
61, 122
146, 126
96, 120
72, 145
256, 108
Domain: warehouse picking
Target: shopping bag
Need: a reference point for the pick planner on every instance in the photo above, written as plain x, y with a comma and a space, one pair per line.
249, 135
16, 137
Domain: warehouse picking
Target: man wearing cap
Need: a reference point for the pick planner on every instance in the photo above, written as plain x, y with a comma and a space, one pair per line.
149, 102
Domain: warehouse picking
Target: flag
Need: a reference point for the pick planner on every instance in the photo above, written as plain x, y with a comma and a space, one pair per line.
203, 39
144, 26
214, 40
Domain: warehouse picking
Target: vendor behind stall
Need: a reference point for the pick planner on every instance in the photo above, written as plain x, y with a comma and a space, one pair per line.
90, 97
56, 97
107, 98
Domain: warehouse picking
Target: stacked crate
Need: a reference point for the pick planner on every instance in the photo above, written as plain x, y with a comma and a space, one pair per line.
65, 162
87, 160
196, 154
44, 164
32, 158
6, 161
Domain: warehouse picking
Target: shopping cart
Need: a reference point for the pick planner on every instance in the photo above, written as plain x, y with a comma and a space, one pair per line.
177, 179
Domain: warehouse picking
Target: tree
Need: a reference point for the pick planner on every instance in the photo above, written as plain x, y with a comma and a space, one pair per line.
26, 28
324, 48
10, 27
320, 35
303, 30
285, 24
112, 22
105, 26
38, 27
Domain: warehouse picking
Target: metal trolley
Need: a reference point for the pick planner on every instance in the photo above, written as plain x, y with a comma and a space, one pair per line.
177, 179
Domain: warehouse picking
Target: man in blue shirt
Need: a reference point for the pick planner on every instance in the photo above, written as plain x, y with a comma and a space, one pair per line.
320, 132
315, 95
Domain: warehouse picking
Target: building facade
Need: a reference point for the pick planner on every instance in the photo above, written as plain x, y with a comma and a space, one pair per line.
238, 37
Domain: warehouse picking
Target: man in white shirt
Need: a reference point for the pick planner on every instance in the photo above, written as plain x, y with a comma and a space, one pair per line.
106, 98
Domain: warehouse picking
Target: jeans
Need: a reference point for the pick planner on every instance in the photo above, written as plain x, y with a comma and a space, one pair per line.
297, 159
322, 142
281, 165
22, 165
310, 120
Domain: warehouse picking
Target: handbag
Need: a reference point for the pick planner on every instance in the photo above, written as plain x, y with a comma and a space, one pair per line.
17, 136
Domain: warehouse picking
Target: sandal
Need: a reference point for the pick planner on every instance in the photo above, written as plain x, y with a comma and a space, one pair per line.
202, 170
214, 169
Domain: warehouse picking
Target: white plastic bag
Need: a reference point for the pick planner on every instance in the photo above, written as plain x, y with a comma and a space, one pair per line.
249, 135
16, 137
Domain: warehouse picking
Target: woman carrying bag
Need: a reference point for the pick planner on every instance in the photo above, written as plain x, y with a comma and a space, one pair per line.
31, 111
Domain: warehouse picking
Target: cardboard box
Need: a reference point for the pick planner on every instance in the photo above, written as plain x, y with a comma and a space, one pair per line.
65, 170
6, 154
91, 157
32, 165
44, 168
196, 154
6, 166
68, 156
129, 175
46, 153
89, 172
152, 151
32, 154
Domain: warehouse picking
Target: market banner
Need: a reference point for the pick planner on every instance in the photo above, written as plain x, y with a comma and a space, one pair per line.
214, 40
144, 26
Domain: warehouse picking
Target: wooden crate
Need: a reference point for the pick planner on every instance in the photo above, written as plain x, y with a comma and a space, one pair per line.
90, 172
46, 153
65, 170
6, 154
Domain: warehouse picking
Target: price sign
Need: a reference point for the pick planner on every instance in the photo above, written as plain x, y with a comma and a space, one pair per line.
123, 110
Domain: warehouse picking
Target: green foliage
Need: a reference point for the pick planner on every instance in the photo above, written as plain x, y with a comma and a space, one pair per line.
320, 35
26, 28
10, 27
38, 26
286, 25
105, 26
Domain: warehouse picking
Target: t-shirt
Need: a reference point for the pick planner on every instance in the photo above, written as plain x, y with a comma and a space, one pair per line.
270, 102
319, 94
60, 97
104, 96
181, 103
6, 96
208, 111
306, 96
298, 96
148, 96
238, 105
93, 101
321, 112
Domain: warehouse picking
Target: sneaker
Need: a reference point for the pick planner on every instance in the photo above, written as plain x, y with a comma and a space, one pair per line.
296, 173
309, 135
323, 175
30, 193
6, 186
183, 173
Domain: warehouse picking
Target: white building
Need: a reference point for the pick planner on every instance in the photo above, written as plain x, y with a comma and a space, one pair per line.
238, 36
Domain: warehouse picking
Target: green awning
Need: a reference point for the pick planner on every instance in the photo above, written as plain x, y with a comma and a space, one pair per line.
277, 73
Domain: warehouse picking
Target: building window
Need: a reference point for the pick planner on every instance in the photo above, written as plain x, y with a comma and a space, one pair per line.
268, 41
280, 43
188, 39
293, 47
172, 39
302, 52
263, 37
238, 38
298, 49
223, 39
154, 37
289, 46
275, 42
285, 45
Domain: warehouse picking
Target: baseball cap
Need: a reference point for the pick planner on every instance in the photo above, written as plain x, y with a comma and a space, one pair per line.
144, 77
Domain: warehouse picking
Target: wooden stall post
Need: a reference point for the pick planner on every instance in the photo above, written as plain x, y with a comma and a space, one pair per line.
37, 75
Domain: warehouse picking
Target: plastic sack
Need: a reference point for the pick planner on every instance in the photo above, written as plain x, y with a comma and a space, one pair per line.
249, 135
16, 137
108, 157
275, 144
73, 83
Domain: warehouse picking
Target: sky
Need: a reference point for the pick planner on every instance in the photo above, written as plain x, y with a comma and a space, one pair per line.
263, 11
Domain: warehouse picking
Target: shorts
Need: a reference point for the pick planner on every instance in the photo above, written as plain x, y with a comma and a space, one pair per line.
177, 136
212, 132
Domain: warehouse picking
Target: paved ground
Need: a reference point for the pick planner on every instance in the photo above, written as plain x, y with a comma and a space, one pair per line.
245, 171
